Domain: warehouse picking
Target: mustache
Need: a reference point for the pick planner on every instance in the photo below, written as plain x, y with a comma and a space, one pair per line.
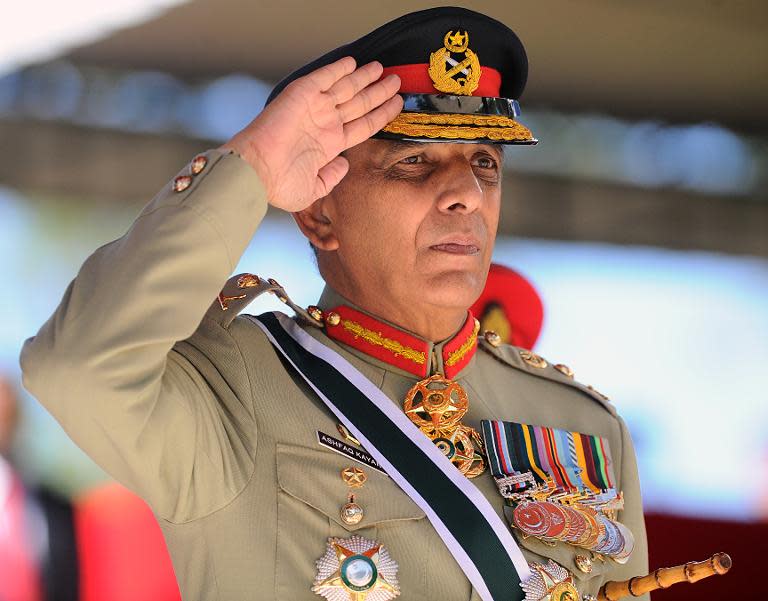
469, 231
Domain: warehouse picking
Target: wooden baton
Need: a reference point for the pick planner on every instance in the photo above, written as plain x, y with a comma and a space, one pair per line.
693, 571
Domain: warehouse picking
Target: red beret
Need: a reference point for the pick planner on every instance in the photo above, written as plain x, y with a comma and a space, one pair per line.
510, 306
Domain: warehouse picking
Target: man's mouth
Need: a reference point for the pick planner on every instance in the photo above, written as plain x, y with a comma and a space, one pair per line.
456, 248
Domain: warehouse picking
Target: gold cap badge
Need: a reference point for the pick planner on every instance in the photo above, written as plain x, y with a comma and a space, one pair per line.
459, 77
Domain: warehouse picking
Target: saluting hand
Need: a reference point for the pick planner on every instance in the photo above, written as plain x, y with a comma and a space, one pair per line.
294, 144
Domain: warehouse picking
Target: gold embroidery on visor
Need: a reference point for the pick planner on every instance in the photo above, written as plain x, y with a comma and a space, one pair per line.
455, 119
457, 126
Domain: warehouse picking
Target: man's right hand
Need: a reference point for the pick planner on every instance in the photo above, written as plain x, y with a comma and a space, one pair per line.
295, 142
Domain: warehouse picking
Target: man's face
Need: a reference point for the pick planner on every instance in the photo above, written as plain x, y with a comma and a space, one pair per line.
417, 221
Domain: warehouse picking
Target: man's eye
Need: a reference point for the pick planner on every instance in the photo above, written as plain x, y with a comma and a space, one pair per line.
486, 163
411, 160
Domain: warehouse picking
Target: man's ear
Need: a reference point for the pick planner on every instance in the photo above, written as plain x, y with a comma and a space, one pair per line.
317, 226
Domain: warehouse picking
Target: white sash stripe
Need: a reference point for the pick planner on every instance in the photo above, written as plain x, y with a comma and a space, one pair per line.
384, 403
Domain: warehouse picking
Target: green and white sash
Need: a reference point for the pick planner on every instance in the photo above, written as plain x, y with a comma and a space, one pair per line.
467, 523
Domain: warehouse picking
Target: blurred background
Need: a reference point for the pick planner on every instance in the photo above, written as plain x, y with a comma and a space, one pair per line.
640, 219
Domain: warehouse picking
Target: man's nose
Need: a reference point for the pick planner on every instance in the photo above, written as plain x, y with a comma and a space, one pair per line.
458, 190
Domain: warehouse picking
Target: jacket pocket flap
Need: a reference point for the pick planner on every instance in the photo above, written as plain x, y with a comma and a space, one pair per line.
314, 477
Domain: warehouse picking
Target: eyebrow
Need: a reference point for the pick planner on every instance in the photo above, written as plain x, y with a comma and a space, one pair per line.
398, 146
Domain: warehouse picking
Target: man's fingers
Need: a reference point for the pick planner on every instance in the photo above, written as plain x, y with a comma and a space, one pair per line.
369, 98
349, 85
364, 127
324, 77
330, 175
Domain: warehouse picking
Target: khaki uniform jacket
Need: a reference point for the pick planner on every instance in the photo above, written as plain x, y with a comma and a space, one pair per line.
193, 409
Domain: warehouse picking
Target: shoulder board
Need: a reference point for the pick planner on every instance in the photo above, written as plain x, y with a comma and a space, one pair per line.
531, 363
239, 292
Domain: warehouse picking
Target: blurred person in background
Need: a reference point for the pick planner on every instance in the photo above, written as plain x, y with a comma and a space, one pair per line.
510, 306
38, 557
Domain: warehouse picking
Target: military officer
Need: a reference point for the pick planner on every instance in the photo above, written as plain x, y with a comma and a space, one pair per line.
377, 444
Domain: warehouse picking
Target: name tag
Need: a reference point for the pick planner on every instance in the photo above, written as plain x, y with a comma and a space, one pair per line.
343, 448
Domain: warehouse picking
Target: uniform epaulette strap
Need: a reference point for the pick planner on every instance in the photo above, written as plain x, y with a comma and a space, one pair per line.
239, 292
532, 363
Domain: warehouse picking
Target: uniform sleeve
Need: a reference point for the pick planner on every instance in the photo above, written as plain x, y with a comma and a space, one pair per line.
632, 514
103, 364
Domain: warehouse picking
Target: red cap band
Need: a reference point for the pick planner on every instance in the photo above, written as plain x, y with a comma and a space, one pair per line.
415, 79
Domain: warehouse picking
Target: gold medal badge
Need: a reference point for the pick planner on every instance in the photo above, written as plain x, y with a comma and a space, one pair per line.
436, 406
356, 569
459, 77
549, 582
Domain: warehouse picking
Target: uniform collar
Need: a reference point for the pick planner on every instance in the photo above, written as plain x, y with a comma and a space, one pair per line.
388, 343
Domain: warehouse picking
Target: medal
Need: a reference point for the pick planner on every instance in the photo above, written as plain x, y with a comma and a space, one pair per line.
436, 406
356, 569
622, 556
559, 522
549, 582
559, 485
354, 477
351, 512
532, 519
545, 520
577, 525
563, 518
611, 542
592, 531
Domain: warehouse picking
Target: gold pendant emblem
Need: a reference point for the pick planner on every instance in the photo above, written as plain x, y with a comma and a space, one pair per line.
356, 569
459, 77
436, 403
436, 406
351, 512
